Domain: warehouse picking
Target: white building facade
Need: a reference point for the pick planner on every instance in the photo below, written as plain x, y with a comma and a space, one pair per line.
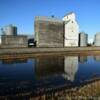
71, 30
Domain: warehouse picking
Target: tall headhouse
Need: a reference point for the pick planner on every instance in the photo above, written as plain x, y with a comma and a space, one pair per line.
71, 30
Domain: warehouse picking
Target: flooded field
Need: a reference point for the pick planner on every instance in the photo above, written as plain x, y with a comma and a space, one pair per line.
50, 78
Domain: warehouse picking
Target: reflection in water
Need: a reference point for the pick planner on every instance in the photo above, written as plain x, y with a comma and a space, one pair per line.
70, 67
82, 59
49, 66
97, 58
16, 79
0, 62
13, 61
46, 77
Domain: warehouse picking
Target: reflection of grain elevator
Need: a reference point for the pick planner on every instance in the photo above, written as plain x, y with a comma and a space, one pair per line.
70, 67
83, 59
49, 66
10, 38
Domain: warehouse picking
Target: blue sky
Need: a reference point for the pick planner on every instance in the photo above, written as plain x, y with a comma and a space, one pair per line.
22, 12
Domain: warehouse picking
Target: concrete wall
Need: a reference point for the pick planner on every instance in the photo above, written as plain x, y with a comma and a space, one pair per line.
49, 32
14, 41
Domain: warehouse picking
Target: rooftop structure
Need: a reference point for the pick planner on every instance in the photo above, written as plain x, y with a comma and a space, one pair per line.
69, 16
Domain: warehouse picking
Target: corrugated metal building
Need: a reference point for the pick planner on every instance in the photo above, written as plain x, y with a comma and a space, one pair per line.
49, 32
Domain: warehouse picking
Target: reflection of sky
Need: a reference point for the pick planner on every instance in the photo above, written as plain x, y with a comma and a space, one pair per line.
17, 71
88, 69
64, 69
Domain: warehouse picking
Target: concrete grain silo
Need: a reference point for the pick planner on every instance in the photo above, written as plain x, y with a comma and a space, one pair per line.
71, 30
83, 39
10, 39
49, 32
10, 30
97, 39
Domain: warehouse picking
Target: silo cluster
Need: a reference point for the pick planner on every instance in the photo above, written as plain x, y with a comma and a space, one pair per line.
10, 30
83, 39
97, 39
10, 39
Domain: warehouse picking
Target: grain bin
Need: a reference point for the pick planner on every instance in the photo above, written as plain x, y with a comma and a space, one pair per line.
83, 39
97, 39
10, 30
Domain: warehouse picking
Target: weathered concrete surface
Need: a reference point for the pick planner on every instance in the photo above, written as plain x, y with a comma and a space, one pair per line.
49, 50
14, 41
49, 32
